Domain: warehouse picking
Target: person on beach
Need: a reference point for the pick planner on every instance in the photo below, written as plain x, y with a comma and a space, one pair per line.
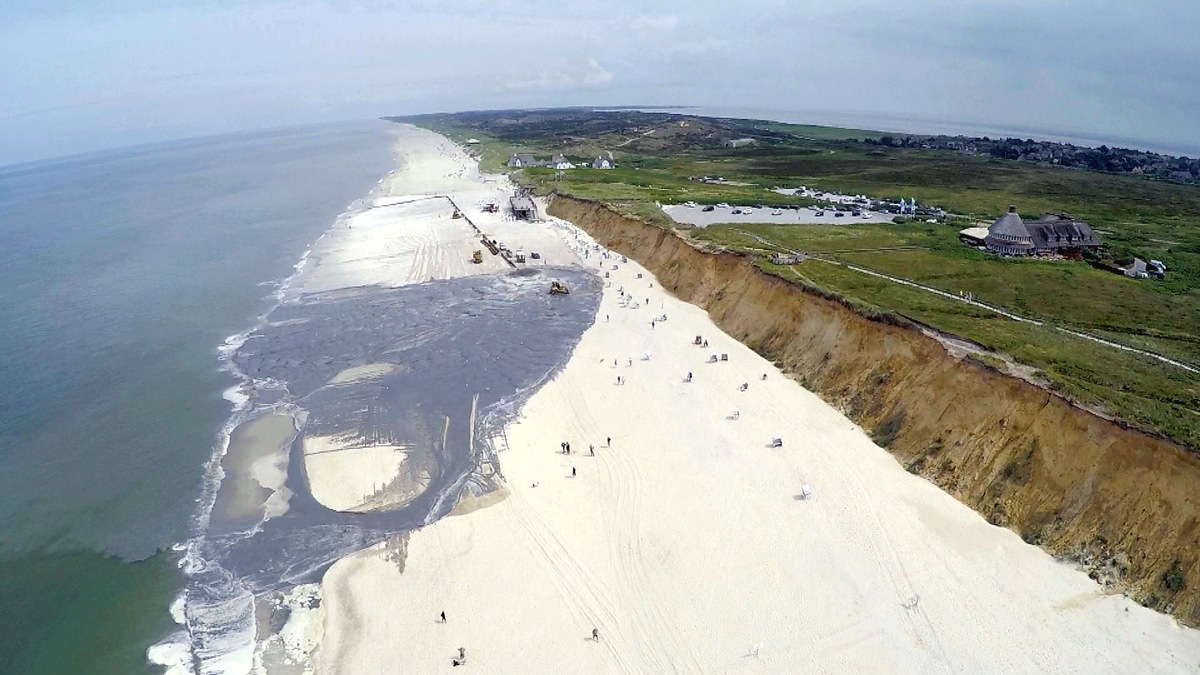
651, 324
608, 442
689, 377
572, 472
443, 617
591, 450
631, 361
568, 448
595, 635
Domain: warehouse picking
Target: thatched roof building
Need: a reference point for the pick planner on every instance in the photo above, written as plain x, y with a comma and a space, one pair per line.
1051, 234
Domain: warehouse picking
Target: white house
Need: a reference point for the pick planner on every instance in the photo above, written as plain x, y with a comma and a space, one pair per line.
603, 163
522, 161
739, 142
559, 162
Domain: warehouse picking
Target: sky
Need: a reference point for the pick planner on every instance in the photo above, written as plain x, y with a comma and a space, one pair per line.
84, 75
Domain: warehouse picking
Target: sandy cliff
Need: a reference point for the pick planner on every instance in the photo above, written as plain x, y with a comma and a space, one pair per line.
1119, 502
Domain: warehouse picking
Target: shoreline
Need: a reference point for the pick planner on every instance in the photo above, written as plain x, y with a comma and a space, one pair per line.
284, 507
686, 544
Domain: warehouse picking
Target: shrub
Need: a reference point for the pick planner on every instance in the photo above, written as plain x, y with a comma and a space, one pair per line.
1172, 579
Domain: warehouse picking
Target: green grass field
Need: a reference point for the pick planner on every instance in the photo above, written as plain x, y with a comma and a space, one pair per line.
1134, 216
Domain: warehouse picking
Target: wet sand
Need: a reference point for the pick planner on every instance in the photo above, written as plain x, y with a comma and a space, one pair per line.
691, 544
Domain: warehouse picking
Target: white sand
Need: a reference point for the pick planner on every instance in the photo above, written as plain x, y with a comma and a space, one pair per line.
410, 236
342, 475
686, 546
360, 373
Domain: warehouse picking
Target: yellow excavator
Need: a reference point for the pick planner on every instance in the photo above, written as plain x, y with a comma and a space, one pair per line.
558, 288
477, 257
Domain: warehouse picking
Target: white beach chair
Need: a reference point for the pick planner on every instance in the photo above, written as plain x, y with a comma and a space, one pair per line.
805, 491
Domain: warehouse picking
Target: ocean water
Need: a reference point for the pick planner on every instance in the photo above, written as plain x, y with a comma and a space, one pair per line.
120, 275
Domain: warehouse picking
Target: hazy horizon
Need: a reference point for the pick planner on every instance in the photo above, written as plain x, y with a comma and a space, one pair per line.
82, 77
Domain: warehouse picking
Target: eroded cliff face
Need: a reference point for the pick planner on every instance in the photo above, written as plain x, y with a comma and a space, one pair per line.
1119, 502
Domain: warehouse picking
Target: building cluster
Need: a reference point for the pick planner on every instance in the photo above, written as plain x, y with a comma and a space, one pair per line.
559, 162
1052, 234
1103, 158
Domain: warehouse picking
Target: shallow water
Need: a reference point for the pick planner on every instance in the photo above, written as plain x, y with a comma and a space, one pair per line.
120, 274
469, 351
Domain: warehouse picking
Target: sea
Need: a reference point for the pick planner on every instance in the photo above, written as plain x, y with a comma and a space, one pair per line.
122, 274
128, 280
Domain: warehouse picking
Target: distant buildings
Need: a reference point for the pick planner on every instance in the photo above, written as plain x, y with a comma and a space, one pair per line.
739, 142
523, 161
559, 162
1052, 234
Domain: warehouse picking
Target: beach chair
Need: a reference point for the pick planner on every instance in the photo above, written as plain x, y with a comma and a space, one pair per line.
805, 491
712, 358
776, 442
724, 357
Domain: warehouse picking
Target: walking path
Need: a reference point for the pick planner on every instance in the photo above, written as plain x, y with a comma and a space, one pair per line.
992, 308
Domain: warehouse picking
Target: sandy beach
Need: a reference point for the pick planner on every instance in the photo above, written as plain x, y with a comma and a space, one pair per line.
689, 543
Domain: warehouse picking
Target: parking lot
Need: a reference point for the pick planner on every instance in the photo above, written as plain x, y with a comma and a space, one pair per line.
696, 215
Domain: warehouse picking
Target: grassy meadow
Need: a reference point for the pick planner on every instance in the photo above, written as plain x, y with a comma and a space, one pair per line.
661, 156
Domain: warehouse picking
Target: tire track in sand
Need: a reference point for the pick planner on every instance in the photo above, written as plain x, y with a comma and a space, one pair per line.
882, 553
654, 632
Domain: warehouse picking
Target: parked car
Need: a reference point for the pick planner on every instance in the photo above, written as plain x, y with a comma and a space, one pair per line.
820, 214
777, 212
747, 211
838, 214
737, 212
535, 255
722, 205
708, 208
690, 205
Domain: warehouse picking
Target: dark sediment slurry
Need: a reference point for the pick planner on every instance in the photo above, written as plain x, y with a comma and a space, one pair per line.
497, 337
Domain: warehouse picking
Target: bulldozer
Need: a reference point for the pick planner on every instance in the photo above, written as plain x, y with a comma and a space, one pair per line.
558, 288
477, 257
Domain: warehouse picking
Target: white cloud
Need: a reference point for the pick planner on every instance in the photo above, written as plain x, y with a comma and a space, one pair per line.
665, 23
570, 75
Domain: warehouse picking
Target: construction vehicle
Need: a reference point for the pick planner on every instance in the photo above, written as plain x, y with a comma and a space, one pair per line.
558, 288
457, 214
520, 256
491, 207
477, 257
491, 246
